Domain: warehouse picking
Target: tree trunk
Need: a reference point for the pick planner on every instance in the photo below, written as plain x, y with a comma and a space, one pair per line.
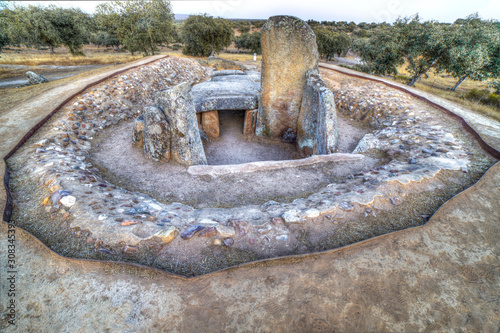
417, 77
462, 79
51, 49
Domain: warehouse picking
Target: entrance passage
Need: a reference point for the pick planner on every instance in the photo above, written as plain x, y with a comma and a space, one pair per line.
233, 147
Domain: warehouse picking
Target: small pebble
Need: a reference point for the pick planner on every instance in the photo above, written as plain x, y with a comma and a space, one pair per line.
283, 238
277, 220
191, 231
128, 250
228, 241
127, 223
208, 232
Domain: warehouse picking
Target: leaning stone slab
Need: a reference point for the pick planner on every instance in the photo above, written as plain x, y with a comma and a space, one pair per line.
227, 72
317, 123
138, 131
219, 170
177, 105
219, 96
289, 51
250, 122
156, 134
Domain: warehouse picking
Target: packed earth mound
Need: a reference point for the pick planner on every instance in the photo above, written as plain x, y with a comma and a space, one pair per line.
83, 189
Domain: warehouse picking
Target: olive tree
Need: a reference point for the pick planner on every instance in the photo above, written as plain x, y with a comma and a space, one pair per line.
139, 25
474, 50
332, 43
38, 26
204, 35
249, 42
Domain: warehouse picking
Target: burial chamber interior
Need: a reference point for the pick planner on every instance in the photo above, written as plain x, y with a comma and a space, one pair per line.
82, 188
234, 147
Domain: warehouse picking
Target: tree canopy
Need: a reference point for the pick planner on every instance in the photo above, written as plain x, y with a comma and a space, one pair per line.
139, 25
204, 35
331, 43
468, 48
51, 26
249, 42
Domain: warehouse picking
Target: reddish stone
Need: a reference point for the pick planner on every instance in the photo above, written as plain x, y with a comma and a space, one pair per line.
210, 124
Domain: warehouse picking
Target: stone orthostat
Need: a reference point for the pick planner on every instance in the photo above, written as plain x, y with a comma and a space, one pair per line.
170, 128
289, 51
295, 104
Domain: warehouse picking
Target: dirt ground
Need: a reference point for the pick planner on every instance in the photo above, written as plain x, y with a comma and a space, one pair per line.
443, 276
115, 155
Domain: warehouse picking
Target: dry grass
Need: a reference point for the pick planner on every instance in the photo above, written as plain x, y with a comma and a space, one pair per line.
440, 84
238, 57
459, 98
66, 59
223, 55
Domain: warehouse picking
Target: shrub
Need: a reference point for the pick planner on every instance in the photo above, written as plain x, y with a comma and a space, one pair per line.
477, 94
402, 78
494, 100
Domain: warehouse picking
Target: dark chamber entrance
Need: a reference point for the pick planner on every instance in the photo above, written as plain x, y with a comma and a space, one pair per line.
232, 147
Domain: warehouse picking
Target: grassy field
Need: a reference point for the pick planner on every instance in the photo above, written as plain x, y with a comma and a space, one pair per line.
440, 84
437, 84
93, 56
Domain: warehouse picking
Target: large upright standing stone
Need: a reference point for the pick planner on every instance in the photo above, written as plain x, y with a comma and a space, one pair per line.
289, 51
185, 141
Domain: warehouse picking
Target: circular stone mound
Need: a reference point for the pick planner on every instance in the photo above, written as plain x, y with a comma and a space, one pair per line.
86, 192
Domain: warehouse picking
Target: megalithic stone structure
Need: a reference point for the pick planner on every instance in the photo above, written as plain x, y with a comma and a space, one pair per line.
295, 104
289, 51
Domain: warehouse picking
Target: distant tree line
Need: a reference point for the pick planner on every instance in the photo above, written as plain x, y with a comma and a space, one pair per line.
467, 49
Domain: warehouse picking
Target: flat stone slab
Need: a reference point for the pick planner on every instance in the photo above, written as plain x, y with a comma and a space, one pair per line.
228, 72
254, 76
219, 170
226, 95
232, 78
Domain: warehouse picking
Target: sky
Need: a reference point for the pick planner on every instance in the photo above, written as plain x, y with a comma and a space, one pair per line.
333, 10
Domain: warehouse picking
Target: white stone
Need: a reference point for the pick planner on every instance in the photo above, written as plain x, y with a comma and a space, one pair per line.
154, 206
311, 213
208, 222
292, 216
283, 238
68, 200
225, 231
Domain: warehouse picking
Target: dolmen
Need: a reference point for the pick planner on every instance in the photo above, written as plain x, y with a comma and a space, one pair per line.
228, 90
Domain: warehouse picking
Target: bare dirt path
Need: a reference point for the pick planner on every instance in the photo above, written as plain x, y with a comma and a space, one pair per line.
443, 276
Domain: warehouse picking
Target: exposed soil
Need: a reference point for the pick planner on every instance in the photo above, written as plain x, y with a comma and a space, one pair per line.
232, 147
121, 163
